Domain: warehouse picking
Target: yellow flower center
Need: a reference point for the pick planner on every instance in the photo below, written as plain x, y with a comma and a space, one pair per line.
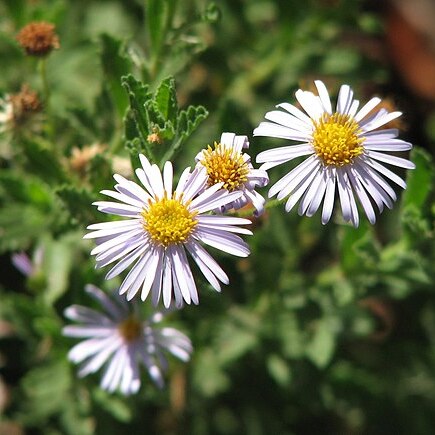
130, 329
225, 165
169, 221
336, 140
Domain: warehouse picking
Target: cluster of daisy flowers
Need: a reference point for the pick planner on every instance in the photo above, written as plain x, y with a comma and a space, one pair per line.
167, 226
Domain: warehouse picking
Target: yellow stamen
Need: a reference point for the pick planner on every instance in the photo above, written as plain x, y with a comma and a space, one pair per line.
130, 329
336, 140
225, 165
169, 221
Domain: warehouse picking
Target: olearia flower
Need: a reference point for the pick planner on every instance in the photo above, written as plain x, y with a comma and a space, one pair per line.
344, 150
120, 340
229, 165
162, 225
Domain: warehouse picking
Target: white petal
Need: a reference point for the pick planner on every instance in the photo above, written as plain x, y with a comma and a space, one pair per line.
328, 202
344, 99
362, 196
391, 160
135, 224
270, 129
380, 121
324, 96
310, 103
385, 171
285, 153
230, 243
179, 272
367, 108
297, 113
123, 198
299, 190
168, 174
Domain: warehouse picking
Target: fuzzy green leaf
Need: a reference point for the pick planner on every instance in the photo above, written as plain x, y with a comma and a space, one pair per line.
78, 203
41, 160
115, 65
166, 100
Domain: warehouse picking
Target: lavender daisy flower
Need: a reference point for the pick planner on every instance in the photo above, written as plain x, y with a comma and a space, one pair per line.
162, 226
120, 341
345, 150
228, 165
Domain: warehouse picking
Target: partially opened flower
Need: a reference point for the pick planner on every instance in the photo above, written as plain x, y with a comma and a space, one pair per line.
345, 151
118, 340
162, 225
227, 164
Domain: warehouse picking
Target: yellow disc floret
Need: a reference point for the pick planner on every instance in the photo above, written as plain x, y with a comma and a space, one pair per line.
168, 221
130, 329
336, 139
225, 165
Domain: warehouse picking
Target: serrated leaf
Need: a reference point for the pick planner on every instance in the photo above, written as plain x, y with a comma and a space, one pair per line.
138, 95
24, 189
20, 224
78, 202
40, 160
100, 172
166, 100
187, 122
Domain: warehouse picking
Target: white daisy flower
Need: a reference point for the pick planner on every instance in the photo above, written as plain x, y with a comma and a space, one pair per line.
344, 150
119, 340
162, 225
227, 164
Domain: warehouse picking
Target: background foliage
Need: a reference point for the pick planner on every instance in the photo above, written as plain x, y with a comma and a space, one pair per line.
321, 330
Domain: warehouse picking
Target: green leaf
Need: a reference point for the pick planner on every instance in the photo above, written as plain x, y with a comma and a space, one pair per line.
40, 160
113, 405
20, 224
137, 121
100, 172
45, 390
279, 370
420, 180
188, 121
208, 376
156, 11
322, 345
359, 249
78, 202
166, 100
115, 65
58, 260
25, 189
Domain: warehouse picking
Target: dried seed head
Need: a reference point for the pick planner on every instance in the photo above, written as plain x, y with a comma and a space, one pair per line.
38, 38
24, 104
80, 157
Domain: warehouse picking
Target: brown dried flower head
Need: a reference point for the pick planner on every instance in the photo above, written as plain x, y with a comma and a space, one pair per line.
155, 138
80, 157
38, 38
24, 104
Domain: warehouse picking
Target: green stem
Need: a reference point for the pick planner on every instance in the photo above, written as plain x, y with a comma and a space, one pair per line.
42, 66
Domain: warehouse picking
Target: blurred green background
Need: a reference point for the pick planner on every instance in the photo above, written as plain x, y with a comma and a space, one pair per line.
322, 330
